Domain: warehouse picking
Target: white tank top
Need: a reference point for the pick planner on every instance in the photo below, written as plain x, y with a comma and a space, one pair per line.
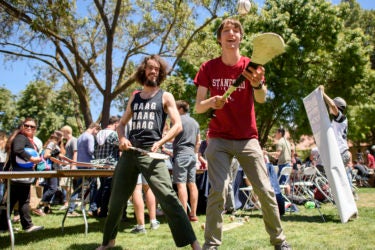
340, 128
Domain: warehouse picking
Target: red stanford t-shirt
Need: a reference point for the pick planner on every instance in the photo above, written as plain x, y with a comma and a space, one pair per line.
236, 121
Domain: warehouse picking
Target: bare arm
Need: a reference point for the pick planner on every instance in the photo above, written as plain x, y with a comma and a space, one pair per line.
203, 103
124, 143
170, 108
197, 143
331, 105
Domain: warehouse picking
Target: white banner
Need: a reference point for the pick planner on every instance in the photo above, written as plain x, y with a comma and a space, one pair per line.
330, 154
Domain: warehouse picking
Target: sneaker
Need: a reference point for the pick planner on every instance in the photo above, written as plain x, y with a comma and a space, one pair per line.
137, 230
154, 225
283, 246
34, 229
64, 207
73, 214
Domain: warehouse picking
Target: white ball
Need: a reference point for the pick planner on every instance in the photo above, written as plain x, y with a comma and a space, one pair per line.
243, 7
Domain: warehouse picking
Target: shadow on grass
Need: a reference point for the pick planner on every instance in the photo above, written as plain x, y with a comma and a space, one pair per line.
90, 246
296, 217
71, 228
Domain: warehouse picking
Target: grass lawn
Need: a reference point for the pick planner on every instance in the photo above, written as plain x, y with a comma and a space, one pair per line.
304, 230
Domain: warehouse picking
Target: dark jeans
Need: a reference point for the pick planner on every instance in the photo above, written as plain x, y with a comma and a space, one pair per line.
50, 188
103, 195
18, 192
77, 190
93, 194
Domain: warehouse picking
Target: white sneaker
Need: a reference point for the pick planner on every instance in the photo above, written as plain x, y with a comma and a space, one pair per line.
137, 230
154, 225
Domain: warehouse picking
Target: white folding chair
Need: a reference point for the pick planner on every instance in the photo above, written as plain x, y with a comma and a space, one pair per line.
303, 187
248, 192
286, 171
321, 183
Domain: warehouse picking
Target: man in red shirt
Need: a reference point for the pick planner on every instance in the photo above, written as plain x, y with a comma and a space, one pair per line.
233, 132
370, 160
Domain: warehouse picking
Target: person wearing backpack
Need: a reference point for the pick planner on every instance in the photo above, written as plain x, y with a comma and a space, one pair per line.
19, 144
52, 148
107, 150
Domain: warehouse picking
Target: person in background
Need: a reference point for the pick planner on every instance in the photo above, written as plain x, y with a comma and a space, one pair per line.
143, 189
85, 153
3, 158
52, 148
283, 155
185, 148
70, 143
21, 139
363, 174
233, 133
71, 153
106, 150
370, 160
339, 123
148, 110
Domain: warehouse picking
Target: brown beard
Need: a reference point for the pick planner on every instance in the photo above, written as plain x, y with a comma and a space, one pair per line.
151, 83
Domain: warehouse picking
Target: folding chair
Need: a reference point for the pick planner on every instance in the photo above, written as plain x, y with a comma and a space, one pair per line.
248, 193
286, 171
305, 184
322, 185
304, 187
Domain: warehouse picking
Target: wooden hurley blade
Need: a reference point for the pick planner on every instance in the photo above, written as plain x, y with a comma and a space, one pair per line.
153, 155
266, 47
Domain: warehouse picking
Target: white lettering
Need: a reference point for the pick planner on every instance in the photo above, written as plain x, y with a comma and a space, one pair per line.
150, 125
144, 125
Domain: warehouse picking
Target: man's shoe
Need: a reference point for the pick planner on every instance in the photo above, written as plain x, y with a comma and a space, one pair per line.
34, 229
283, 246
155, 225
137, 230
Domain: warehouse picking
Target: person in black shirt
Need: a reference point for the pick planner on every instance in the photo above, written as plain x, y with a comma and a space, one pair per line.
148, 110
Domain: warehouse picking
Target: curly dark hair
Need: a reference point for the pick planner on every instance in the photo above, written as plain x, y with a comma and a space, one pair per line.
140, 75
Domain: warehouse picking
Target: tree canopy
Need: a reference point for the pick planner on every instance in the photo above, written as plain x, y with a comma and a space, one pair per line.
95, 49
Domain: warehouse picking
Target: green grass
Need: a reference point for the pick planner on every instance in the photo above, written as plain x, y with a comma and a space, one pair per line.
304, 230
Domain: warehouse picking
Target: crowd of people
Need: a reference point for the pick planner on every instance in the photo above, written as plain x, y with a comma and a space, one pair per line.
231, 143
